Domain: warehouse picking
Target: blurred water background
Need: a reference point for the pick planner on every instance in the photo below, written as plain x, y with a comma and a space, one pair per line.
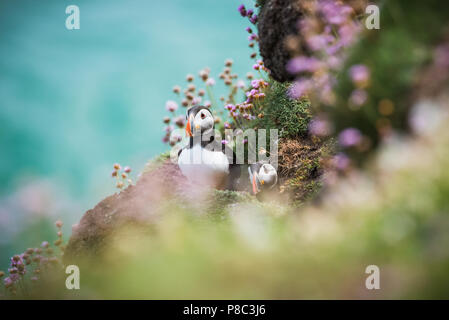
74, 102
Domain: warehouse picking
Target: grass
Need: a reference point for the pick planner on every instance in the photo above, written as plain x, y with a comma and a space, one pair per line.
290, 116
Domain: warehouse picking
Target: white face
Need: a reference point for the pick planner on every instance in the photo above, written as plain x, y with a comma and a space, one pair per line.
203, 121
267, 175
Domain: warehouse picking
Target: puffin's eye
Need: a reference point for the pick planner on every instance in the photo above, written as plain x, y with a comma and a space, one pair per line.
203, 115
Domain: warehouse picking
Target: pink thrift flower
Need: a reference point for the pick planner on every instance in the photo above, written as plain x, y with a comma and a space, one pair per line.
171, 106
341, 161
210, 82
180, 121
319, 127
196, 100
242, 10
298, 88
359, 73
241, 84
302, 64
358, 97
349, 137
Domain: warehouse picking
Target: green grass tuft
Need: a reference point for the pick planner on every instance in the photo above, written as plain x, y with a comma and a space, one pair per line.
290, 116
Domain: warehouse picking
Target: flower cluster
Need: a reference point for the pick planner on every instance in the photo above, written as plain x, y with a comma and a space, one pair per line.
328, 28
188, 97
239, 114
254, 93
326, 31
252, 37
121, 176
249, 13
251, 108
33, 262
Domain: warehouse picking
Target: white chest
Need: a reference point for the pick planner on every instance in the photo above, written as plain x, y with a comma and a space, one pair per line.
203, 166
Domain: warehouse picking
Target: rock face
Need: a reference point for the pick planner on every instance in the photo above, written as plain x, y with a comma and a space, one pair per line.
277, 20
141, 206
135, 205
301, 166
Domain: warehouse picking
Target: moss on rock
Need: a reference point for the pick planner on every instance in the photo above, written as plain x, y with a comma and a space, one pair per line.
301, 165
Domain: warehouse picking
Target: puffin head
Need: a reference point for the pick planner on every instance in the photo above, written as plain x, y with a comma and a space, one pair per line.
199, 120
262, 176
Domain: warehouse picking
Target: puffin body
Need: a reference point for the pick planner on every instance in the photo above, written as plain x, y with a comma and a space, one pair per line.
204, 160
263, 176
212, 169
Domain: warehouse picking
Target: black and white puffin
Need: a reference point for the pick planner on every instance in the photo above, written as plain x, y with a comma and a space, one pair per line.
262, 176
204, 160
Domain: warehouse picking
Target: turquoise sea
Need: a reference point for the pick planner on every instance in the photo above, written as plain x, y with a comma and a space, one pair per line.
74, 102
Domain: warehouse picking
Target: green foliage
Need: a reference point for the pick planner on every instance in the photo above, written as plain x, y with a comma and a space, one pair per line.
290, 116
221, 199
398, 221
394, 54
301, 165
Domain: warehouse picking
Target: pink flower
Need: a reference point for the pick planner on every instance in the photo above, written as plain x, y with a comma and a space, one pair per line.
180, 121
349, 137
341, 161
302, 64
319, 42
319, 127
359, 74
299, 88
196, 100
347, 33
334, 62
255, 84
252, 37
241, 84
242, 10
253, 19
334, 12
358, 97
171, 105
210, 82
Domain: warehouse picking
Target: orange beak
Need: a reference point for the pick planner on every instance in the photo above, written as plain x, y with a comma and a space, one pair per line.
188, 129
254, 185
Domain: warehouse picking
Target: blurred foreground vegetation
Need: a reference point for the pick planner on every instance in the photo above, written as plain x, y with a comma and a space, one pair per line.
390, 210
397, 220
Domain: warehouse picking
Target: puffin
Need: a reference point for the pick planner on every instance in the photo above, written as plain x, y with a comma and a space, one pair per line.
262, 176
204, 160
